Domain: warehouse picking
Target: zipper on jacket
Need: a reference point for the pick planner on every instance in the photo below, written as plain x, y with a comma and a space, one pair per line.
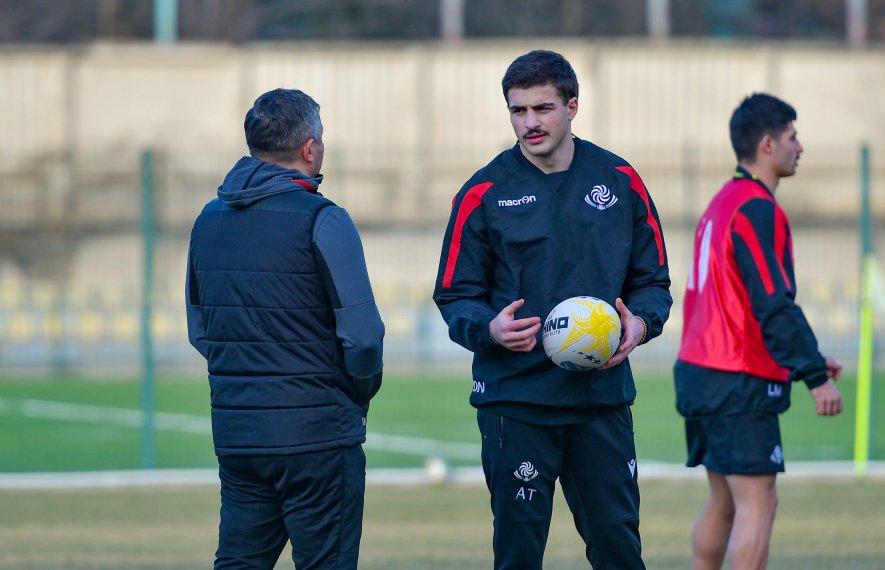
499, 429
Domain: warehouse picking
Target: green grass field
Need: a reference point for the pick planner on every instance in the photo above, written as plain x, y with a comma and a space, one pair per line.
87, 424
821, 525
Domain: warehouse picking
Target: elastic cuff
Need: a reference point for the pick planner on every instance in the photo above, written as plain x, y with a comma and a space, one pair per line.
816, 381
489, 330
644, 329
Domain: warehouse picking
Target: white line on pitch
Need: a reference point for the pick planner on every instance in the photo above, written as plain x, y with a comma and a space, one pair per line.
132, 418
421, 446
85, 413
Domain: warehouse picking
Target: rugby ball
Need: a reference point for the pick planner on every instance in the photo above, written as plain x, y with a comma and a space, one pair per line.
581, 333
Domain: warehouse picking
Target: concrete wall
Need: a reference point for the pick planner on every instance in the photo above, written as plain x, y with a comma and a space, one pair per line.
406, 124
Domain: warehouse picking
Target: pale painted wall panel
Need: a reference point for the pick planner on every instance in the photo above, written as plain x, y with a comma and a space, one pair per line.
34, 102
135, 97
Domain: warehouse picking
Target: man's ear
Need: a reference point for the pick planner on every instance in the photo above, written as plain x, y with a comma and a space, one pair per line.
306, 152
765, 146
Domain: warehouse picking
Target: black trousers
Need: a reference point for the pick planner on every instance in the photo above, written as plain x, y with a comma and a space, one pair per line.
595, 462
314, 500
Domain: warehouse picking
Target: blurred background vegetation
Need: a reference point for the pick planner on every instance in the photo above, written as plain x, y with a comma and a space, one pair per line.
238, 21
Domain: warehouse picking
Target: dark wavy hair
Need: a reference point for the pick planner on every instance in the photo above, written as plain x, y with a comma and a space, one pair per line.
541, 67
758, 115
281, 121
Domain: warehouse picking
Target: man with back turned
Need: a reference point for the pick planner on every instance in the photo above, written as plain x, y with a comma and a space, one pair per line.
280, 305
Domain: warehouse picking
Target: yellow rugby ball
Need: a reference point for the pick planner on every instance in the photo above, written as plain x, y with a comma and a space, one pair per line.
581, 333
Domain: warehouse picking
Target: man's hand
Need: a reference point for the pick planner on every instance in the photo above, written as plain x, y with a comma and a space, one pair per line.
834, 369
517, 335
827, 396
634, 330
828, 399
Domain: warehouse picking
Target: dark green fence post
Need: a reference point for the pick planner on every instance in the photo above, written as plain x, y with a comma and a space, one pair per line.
148, 236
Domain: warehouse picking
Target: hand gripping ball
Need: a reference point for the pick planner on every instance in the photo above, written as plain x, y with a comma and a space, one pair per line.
581, 333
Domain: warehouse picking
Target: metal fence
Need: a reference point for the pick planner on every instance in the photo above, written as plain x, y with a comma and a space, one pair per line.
71, 279
406, 125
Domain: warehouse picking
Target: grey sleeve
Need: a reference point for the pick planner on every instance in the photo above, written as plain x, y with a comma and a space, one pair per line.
342, 262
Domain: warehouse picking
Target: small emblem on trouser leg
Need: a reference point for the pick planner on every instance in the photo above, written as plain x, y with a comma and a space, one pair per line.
526, 471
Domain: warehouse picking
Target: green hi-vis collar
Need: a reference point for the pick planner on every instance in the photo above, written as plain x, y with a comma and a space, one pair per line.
740, 173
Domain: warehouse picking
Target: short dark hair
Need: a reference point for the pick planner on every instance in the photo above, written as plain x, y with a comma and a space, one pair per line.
281, 121
541, 67
758, 115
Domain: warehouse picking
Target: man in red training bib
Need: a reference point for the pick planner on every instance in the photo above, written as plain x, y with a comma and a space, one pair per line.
744, 340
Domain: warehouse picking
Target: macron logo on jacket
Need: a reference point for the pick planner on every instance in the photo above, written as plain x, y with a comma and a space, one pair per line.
518, 202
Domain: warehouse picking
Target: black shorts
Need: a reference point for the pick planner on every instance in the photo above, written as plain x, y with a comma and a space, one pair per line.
746, 443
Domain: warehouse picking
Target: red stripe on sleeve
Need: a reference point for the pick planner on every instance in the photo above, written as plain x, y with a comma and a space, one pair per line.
638, 186
743, 228
472, 200
781, 223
